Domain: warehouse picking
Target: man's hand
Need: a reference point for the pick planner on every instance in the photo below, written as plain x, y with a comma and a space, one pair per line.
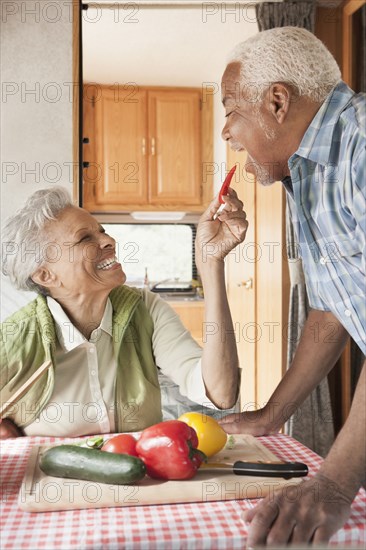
250, 422
314, 510
8, 429
309, 512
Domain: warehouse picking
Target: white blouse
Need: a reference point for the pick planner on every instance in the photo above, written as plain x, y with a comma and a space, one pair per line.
82, 401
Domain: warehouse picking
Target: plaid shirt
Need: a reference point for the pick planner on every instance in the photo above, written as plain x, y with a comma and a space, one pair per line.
327, 201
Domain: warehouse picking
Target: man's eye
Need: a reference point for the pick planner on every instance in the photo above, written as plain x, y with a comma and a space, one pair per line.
228, 114
85, 238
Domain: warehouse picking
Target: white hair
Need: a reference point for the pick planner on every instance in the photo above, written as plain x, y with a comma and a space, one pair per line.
23, 236
286, 54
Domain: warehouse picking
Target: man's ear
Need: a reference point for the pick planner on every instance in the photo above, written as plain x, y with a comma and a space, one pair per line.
279, 97
44, 277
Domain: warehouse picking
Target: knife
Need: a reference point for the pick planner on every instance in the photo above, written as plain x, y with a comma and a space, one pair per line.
287, 470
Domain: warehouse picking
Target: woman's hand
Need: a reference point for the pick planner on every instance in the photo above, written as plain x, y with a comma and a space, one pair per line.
216, 238
8, 429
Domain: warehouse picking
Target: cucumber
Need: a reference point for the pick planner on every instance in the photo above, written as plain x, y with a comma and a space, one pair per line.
92, 465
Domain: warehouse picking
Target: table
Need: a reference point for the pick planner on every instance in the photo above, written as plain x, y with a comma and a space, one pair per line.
207, 525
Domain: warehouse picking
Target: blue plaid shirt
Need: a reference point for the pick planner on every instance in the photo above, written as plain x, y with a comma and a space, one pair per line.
327, 201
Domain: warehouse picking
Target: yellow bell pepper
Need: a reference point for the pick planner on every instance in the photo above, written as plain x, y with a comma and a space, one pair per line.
211, 437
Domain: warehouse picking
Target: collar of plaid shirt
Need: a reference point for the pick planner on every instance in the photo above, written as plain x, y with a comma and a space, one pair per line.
317, 140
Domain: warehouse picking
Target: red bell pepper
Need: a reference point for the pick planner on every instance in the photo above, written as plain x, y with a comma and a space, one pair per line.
169, 450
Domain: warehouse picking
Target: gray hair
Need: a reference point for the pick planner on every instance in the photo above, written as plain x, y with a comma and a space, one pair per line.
23, 237
286, 54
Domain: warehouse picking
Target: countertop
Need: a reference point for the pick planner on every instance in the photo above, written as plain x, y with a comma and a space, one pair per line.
215, 525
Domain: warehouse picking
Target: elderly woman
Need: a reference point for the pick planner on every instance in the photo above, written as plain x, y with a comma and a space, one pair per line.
104, 339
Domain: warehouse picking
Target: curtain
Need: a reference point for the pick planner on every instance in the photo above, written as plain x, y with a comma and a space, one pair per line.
312, 423
288, 13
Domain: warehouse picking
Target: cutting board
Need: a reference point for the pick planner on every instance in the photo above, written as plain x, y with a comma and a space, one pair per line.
42, 493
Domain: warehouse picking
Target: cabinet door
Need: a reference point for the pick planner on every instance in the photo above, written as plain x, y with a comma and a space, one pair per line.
120, 147
241, 282
258, 287
174, 147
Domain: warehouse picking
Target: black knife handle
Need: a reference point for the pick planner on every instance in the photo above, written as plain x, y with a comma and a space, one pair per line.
287, 470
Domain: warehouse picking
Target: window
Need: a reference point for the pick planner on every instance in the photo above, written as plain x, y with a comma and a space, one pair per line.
164, 251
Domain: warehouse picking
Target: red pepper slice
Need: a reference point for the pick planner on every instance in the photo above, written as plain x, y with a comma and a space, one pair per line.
169, 450
225, 186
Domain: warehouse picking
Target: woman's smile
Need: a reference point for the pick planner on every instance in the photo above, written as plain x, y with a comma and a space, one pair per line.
108, 264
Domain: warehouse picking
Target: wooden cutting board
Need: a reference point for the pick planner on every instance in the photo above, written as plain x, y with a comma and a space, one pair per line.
42, 493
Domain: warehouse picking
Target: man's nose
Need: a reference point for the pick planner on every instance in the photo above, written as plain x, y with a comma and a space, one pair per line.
225, 134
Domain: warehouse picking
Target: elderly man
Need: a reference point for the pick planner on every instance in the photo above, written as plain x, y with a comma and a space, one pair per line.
287, 106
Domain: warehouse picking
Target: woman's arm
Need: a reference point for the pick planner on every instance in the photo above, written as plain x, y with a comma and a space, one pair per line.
215, 239
215, 376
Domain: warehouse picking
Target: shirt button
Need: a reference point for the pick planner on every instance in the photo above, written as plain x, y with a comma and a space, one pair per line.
91, 350
93, 372
322, 261
347, 313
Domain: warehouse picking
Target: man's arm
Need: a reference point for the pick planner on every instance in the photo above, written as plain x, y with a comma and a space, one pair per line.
322, 341
345, 463
322, 504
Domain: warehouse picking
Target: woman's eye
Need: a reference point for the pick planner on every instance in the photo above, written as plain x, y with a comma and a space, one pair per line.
228, 114
89, 236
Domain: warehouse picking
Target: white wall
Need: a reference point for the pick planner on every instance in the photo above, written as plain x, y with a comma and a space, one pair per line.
36, 127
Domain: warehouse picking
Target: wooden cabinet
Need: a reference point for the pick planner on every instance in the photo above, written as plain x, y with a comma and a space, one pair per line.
353, 73
120, 147
146, 148
353, 44
175, 153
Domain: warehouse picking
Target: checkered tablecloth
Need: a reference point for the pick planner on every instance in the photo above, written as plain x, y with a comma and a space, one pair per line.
195, 526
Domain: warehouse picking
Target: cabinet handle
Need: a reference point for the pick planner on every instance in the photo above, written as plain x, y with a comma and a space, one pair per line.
143, 146
153, 146
248, 285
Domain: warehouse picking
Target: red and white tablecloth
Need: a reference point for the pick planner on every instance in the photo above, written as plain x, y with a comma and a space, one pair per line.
203, 525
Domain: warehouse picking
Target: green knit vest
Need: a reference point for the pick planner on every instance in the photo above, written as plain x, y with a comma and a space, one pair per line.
28, 338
